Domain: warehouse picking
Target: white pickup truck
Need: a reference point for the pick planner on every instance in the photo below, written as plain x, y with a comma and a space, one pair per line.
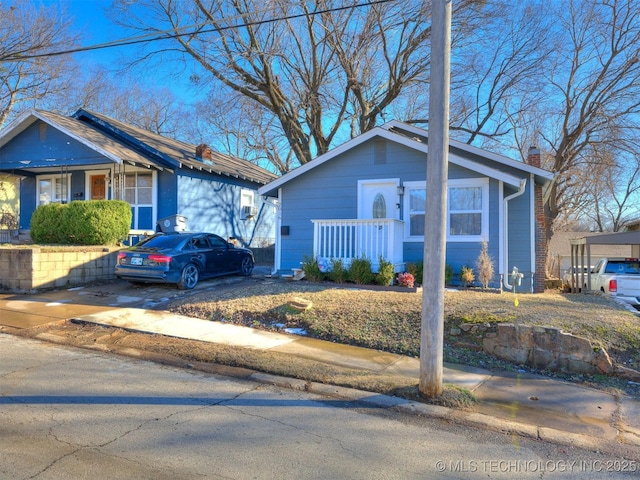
619, 277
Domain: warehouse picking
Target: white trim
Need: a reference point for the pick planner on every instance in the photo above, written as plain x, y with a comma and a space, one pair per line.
484, 228
22, 123
87, 183
501, 223
475, 150
414, 144
406, 210
154, 196
388, 181
278, 253
53, 177
532, 240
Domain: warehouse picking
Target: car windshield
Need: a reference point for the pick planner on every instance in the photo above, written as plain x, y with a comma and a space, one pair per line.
162, 241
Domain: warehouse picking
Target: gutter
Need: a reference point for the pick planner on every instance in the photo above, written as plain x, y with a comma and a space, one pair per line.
506, 200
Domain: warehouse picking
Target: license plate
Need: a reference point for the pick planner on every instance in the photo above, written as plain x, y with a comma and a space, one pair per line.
136, 261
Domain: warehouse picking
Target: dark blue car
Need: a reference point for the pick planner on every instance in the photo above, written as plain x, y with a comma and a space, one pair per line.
182, 258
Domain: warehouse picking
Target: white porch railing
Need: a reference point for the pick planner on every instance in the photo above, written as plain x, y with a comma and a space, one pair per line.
349, 239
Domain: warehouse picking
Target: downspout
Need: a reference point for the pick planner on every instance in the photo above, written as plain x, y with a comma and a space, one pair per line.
275, 202
521, 190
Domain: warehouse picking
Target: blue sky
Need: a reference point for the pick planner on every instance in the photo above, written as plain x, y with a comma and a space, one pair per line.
91, 22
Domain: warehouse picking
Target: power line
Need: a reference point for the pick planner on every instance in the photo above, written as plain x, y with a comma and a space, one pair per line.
169, 34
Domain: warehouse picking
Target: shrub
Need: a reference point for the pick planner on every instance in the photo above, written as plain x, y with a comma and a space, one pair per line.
311, 269
484, 264
93, 222
385, 272
45, 224
360, 271
448, 274
406, 280
467, 276
338, 273
416, 269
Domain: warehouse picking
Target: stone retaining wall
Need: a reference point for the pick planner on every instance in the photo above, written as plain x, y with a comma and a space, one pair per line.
539, 347
32, 269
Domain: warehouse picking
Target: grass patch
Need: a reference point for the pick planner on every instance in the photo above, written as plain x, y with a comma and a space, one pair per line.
390, 321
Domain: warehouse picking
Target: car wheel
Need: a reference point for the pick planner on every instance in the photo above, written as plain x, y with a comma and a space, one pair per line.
246, 267
189, 277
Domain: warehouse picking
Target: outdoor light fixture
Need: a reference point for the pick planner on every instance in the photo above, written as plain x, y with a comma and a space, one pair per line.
400, 190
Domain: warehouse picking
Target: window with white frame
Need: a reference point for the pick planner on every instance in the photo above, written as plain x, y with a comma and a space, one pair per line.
415, 204
138, 188
246, 198
53, 189
468, 210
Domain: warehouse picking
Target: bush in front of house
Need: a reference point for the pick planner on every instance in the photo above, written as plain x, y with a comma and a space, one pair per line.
338, 273
93, 222
311, 269
360, 271
385, 272
45, 224
467, 277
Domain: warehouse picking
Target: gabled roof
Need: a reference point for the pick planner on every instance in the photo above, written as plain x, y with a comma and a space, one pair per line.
397, 132
83, 133
176, 153
120, 142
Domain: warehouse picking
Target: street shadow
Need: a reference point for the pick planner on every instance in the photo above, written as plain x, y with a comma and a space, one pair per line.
178, 401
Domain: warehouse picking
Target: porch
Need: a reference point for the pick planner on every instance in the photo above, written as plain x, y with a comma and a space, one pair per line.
349, 239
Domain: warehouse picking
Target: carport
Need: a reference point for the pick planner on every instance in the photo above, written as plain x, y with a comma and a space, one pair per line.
582, 246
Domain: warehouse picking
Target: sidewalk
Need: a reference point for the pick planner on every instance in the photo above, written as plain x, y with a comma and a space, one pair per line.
519, 403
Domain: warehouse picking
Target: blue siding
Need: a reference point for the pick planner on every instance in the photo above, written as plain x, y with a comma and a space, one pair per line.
167, 200
214, 206
30, 146
77, 186
27, 201
330, 191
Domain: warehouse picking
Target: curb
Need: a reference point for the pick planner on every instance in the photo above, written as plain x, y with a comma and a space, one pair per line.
410, 407
475, 420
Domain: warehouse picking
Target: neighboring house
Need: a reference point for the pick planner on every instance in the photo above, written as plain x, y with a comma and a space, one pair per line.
559, 258
367, 198
89, 156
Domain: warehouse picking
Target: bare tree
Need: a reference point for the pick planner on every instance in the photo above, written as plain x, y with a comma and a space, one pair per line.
26, 31
593, 95
123, 98
612, 189
320, 72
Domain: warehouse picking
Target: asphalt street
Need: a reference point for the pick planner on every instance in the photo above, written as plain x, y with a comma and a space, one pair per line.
69, 413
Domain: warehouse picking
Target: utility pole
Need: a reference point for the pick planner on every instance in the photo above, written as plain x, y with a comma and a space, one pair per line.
432, 326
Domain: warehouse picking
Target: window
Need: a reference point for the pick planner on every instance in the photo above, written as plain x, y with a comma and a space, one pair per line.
53, 189
379, 207
468, 211
138, 188
415, 204
246, 198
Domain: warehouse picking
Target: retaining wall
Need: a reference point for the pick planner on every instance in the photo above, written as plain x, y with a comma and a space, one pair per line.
28, 269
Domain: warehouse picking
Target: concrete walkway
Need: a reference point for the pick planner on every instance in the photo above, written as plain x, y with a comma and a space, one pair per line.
520, 403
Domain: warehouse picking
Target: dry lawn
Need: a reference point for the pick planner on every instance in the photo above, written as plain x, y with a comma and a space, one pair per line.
390, 321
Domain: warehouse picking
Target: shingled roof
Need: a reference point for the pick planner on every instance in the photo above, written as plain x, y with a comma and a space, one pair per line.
173, 153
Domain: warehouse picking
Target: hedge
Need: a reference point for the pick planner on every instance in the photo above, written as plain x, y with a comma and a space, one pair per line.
91, 222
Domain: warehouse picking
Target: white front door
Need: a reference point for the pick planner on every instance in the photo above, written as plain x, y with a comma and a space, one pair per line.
378, 199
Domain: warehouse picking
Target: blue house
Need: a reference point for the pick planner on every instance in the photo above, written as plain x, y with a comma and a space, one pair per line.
367, 198
88, 156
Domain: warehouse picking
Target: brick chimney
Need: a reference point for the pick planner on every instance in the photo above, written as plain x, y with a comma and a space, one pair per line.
204, 152
533, 159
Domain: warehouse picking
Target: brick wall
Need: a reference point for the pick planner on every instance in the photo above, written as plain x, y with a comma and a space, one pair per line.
533, 158
32, 269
